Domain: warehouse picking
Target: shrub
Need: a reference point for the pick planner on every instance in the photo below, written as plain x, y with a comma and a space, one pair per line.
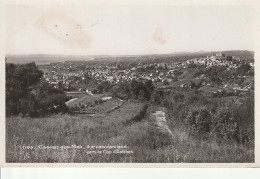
199, 120
225, 125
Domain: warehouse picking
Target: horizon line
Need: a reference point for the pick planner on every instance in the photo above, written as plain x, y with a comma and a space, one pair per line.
176, 52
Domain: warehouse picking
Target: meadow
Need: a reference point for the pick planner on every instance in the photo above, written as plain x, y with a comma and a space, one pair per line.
127, 134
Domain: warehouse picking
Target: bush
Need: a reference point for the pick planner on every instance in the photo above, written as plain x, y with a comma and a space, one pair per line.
225, 125
178, 97
236, 122
245, 117
157, 96
134, 90
49, 99
199, 120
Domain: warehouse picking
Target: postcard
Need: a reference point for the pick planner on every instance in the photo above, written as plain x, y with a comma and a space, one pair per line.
134, 84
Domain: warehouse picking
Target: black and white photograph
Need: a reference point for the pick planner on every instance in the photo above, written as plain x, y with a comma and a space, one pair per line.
144, 84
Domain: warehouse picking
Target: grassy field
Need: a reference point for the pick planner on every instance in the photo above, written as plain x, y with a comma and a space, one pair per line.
66, 130
127, 134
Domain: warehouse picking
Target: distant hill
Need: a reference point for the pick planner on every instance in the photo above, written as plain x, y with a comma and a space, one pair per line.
40, 59
243, 54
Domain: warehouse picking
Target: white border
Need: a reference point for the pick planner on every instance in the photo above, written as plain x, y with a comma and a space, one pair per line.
128, 2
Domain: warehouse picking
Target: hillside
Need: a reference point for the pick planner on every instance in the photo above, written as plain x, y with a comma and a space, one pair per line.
177, 56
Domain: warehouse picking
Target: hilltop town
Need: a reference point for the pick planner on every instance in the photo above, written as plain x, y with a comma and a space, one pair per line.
158, 106
84, 76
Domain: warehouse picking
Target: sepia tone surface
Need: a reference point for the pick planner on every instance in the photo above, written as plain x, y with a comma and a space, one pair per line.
125, 84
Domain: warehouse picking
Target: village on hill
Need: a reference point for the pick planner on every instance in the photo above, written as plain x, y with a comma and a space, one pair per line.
159, 108
75, 75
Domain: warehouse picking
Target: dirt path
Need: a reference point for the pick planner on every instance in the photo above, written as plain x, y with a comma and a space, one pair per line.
68, 102
159, 120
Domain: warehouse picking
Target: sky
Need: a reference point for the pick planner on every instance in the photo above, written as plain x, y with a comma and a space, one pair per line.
127, 30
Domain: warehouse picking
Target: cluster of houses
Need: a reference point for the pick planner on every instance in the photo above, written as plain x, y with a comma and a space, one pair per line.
219, 59
71, 75
68, 73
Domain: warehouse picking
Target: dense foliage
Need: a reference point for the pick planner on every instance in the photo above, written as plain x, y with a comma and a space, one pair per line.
222, 119
223, 116
134, 90
27, 94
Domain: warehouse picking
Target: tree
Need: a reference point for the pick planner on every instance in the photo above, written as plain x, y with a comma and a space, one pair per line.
27, 93
19, 79
28, 74
49, 99
200, 120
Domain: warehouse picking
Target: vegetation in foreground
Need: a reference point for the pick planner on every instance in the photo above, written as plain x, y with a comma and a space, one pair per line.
210, 119
135, 129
